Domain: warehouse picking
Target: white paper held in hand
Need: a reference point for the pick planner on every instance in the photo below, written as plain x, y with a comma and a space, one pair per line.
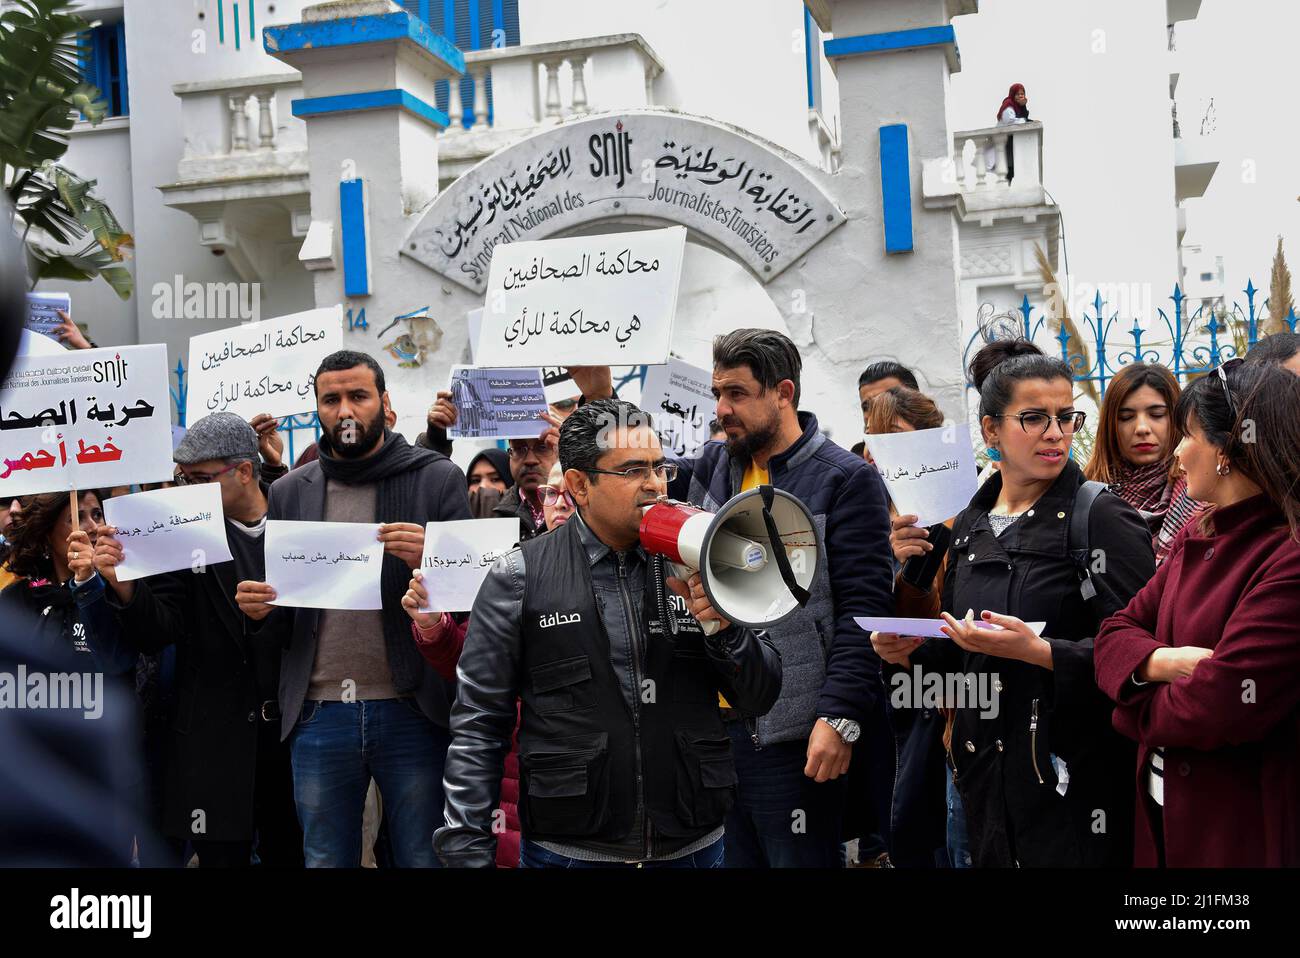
925, 628
164, 530
324, 565
457, 557
930, 473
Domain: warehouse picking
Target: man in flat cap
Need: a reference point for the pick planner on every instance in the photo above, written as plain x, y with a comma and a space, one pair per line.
228, 776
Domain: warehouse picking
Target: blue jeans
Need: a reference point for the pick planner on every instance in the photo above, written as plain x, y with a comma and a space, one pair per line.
533, 855
782, 818
958, 846
336, 748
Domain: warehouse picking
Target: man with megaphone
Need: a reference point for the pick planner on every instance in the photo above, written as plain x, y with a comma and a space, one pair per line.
623, 757
792, 760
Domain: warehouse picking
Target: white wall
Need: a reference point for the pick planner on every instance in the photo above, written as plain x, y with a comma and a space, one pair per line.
1097, 77
738, 60
162, 50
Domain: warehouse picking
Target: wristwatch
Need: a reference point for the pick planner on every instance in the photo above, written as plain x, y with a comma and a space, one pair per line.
847, 729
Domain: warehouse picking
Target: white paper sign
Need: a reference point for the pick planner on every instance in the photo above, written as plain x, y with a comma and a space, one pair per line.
474, 320
605, 300
169, 529
324, 565
42, 312
930, 473
926, 628
559, 385
680, 398
266, 367
34, 344
85, 419
457, 557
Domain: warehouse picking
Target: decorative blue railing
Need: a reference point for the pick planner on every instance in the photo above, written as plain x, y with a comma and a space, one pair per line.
1188, 352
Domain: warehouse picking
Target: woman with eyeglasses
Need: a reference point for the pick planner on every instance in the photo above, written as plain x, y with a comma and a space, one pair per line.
1134, 451
1041, 773
1204, 664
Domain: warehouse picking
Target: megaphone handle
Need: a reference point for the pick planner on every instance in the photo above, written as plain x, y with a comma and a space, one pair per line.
710, 627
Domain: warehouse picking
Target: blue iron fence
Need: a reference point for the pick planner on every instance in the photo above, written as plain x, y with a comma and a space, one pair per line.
1187, 354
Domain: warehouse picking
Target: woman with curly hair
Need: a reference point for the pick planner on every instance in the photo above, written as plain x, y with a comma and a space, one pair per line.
56, 581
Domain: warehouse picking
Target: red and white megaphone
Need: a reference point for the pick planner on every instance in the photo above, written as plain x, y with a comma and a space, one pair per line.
757, 556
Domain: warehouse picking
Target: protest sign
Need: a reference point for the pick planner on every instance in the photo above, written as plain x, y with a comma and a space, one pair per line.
168, 529
926, 628
324, 565
34, 344
85, 419
474, 321
680, 398
559, 385
497, 403
930, 473
42, 312
457, 556
603, 300
267, 367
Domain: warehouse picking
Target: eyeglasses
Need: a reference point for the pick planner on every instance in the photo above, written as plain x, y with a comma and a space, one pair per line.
1223, 378
664, 470
552, 496
1040, 422
184, 478
539, 449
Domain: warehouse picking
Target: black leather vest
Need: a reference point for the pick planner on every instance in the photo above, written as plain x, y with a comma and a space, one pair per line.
584, 753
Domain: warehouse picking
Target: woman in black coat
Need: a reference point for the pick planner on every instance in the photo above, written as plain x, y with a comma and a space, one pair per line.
1044, 779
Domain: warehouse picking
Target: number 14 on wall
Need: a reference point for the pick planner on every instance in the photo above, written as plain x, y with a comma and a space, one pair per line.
358, 321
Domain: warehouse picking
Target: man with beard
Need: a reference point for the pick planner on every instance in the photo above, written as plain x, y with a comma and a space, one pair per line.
791, 761
357, 700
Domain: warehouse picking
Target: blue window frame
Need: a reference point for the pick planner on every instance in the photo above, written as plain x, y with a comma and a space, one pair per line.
471, 25
103, 63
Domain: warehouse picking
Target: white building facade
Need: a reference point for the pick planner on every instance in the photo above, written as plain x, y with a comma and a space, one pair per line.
265, 149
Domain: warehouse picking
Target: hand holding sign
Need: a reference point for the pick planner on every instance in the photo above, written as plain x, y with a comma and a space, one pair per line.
1003, 636
167, 529
930, 473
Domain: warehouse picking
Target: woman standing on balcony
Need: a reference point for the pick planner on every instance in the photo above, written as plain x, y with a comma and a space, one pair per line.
1134, 451
1204, 664
1014, 109
1042, 774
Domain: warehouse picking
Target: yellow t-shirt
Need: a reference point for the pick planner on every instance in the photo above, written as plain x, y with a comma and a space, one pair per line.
755, 475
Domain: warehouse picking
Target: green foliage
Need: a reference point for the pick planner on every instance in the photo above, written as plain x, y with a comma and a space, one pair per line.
68, 231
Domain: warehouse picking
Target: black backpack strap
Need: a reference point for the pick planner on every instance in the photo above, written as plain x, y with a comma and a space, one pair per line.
1078, 541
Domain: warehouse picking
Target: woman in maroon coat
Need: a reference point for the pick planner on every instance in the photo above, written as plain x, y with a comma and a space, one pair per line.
1204, 663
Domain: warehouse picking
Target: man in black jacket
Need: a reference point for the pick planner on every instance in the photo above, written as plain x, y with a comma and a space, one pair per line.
228, 775
357, 700
622, 754
792, 761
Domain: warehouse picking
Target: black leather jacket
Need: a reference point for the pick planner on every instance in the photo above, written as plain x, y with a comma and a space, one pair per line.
489, 681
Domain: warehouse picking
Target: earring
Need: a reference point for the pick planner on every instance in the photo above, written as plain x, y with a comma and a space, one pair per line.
995, 454
1222, 468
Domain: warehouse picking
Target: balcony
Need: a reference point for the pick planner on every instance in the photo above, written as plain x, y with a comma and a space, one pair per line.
541, 85
976, 177
1196, 158
243, 171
